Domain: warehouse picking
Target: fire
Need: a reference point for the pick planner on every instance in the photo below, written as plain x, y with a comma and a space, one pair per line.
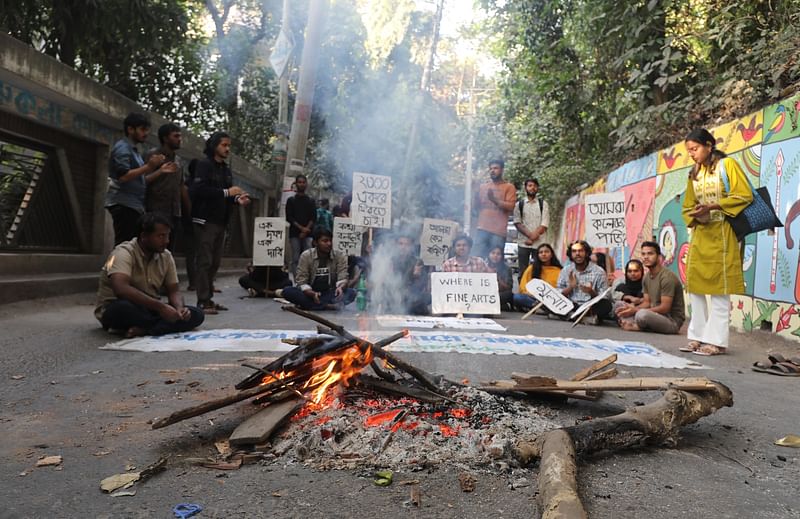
327, 371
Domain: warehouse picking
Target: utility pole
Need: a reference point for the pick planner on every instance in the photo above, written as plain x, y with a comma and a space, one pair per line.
280, 146
301, 116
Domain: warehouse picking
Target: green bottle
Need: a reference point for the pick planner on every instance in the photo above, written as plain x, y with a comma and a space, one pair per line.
361, 295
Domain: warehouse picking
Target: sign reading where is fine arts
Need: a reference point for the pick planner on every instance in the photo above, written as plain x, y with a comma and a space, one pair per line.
605, 219
372, 200
464, 293
269, 235
437, 238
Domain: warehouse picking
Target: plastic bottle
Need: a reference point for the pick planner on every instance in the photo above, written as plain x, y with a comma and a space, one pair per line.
361, 295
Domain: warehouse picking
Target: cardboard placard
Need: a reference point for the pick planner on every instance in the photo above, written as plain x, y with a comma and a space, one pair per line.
578, 311
464, 292
269, 241
372, 200
436, 240
605, 219
549, 295
347, 237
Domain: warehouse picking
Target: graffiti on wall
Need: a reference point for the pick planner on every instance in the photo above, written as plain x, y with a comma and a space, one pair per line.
767, 146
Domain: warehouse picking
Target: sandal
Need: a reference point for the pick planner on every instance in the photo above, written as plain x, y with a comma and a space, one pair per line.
708, 350
691, 347
209, 309
782, 369
220, 307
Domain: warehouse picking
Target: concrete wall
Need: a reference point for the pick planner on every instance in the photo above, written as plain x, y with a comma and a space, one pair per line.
40, 89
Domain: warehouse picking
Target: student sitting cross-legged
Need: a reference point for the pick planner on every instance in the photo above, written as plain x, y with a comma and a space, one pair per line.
321, 277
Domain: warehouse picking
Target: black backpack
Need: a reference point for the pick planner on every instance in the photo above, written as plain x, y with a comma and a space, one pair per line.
522, 204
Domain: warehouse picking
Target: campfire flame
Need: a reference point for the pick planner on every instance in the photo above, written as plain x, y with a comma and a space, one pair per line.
327, 371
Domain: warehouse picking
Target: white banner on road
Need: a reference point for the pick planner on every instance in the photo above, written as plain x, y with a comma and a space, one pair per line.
629, 353
269, 241
347, 237
605, 219
372, 200
436, 240
413, 321
464, 293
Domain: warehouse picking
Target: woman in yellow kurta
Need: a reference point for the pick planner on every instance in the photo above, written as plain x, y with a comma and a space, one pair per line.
714, 263
546, 267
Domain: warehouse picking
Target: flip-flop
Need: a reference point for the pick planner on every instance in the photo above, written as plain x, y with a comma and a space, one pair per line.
709, 350
218, 306
691, 347
762, 367
784, 369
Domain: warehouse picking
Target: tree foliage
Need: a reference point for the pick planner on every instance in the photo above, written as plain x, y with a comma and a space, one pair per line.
589, 84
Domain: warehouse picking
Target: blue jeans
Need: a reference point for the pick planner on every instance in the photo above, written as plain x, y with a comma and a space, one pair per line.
122, 314
485, 241
296, 296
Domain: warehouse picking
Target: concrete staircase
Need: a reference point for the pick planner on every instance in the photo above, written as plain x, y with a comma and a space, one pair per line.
33, 276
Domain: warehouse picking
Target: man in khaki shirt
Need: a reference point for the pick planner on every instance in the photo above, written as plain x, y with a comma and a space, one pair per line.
131, 280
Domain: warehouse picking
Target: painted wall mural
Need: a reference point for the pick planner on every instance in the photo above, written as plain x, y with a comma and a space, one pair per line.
767, 146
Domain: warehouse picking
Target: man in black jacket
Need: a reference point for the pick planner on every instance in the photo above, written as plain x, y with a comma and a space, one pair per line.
213, 195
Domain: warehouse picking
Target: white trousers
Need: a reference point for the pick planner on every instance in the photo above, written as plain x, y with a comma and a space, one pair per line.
710, 328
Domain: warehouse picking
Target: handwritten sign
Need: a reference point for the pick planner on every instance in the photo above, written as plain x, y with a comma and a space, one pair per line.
347, 237
464, 292
550, 296
437, 238
605, 219
578, 311
269, 236
372, 200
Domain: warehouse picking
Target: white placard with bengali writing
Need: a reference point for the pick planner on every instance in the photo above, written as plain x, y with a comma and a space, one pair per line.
550, 296
436, 240
269, 241
464, 292
578, 311
372, 200
605, 219
347, 237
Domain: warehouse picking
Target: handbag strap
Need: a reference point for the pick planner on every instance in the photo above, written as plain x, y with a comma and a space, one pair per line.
726, 182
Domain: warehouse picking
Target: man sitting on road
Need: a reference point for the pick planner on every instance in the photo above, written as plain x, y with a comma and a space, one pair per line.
321, 277
662, 309
582, 280
136, 272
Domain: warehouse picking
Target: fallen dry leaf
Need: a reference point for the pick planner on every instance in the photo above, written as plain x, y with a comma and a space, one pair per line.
17, 377
116, 481
790, 440
467, 482
101, 453
47, 461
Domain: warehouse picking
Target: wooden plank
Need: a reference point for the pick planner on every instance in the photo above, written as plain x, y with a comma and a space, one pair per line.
509, 388
603, 375
594, 368
259, 427
628, 384
532, 380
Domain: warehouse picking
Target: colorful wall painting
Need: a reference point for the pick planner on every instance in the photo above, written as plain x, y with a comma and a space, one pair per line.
766, 144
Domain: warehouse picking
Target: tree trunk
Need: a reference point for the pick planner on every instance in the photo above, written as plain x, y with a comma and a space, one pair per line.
653, 424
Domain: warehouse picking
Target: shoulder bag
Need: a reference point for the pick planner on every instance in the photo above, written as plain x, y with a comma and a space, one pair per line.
758, 216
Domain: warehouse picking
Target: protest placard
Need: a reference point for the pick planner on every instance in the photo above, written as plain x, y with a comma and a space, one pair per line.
347, 237
551, 297
372, 200
436, 240
464, 292
578, 311
605, 219
269, 236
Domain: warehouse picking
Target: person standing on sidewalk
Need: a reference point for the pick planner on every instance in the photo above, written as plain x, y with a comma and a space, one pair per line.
134, 275
125, 198
531, 218
495, 202
301, 213
213, 196
165, 185
714, 262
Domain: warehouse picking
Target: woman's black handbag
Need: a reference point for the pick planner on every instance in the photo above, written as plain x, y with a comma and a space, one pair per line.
758, 216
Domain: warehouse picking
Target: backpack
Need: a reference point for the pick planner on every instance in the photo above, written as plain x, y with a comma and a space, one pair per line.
522, 204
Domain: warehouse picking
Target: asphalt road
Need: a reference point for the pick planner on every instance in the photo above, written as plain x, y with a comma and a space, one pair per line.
61, 395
